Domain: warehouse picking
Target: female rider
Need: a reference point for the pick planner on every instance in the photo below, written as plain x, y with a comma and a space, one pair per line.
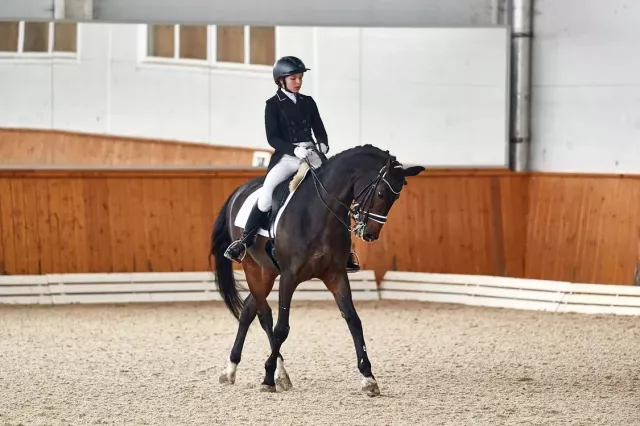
289, 119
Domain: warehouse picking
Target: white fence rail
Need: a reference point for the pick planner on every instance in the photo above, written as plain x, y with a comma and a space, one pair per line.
515, 293
476, 290
56, 289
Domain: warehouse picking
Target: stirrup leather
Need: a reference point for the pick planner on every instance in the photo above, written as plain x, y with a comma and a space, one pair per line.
233, 246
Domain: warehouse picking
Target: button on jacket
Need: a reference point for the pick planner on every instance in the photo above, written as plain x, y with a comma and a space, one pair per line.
288, 123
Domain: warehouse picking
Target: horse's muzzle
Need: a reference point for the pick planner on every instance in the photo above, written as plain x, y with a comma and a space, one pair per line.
369, 236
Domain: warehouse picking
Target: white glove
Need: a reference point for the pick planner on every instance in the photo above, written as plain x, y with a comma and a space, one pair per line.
301, 152
324, 148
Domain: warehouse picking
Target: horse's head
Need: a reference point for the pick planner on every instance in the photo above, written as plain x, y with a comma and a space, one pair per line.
375, 194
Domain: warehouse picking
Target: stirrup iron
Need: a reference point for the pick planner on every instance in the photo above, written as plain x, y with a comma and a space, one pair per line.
227, 253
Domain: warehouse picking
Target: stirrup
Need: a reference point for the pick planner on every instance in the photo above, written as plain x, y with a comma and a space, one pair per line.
233, 246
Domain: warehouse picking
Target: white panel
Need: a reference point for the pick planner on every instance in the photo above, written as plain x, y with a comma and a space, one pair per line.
432, 96
338, 91
237, 103
507, 293
26, 93
436, 97
159, 102
153, 287
126, 42
80, 96
586, 95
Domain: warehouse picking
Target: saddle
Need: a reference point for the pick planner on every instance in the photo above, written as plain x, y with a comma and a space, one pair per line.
279, 198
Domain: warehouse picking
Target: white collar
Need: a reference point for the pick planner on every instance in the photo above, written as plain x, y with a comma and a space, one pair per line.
290, 95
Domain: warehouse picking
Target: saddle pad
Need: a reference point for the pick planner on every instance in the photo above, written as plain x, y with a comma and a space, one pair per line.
243, 214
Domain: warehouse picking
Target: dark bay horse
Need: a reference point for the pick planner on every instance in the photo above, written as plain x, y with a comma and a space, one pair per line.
313, 240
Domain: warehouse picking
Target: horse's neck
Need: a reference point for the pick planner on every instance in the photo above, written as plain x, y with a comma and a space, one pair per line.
338, 194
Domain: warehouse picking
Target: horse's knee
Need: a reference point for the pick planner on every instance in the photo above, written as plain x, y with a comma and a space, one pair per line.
281, 332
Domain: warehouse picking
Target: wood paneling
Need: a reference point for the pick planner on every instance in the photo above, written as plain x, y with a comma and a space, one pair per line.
557, 227
46, 147
112, 221
584, 228
454, 222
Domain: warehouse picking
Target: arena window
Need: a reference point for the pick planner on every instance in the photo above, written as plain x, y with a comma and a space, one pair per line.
38, 39
217, 46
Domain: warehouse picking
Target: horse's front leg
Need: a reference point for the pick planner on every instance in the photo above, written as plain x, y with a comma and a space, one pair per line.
341, 289
266, 321
280, 331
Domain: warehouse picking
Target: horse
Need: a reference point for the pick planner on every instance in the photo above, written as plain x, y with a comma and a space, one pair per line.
312, 240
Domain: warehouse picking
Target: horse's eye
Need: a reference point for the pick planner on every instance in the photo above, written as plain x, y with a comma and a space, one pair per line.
380, 194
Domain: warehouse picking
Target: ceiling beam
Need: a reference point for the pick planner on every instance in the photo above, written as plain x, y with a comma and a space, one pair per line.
359, 13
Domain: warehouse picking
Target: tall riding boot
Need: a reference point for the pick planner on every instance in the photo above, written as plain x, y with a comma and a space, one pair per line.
352, 263
237, 249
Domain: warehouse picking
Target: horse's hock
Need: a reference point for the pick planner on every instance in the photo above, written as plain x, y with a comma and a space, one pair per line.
159, 364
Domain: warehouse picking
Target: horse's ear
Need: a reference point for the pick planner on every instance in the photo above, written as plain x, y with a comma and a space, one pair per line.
412, 171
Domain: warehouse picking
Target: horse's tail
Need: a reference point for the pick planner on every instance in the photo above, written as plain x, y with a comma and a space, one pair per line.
225, 280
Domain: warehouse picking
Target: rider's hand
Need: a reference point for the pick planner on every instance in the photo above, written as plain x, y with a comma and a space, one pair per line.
324, 148
301, 152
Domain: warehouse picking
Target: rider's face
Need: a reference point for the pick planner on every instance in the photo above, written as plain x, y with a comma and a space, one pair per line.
294, 82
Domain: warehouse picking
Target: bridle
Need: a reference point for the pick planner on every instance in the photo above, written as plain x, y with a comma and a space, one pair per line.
360, 210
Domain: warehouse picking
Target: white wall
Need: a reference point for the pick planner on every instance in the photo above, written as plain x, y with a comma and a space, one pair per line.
586, 94
432, 96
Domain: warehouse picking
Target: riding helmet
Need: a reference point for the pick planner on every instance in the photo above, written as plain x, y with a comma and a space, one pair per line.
287, 65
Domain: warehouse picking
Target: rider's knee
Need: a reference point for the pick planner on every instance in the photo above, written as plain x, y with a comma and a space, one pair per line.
264, 202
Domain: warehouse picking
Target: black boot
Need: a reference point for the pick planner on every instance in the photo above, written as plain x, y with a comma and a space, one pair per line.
352, 263
238, 249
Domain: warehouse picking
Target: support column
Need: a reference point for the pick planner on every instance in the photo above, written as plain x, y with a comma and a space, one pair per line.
521, 17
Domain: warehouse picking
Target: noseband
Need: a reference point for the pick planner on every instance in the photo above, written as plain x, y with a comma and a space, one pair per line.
360, 210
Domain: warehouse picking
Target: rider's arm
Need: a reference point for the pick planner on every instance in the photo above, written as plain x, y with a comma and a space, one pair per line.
273, 131
317, 125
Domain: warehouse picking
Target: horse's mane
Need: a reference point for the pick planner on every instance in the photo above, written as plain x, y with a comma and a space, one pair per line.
359, 150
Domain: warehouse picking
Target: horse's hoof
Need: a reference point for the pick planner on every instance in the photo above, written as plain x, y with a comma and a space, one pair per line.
282, 377
227, 378
370, 386
284, 382
267, 388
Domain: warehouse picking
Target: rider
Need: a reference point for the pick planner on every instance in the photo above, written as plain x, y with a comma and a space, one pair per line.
289, 119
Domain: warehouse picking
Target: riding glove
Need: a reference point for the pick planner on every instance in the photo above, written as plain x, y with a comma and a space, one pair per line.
324, 148
301, 152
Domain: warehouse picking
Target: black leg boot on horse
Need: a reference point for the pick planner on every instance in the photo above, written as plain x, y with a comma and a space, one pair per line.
238, 249
352, 264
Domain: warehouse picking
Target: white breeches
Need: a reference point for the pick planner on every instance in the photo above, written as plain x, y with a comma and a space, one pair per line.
286, 167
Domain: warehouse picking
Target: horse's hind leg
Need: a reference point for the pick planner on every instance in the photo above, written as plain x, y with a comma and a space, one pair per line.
260, 282
247, 316
339, 286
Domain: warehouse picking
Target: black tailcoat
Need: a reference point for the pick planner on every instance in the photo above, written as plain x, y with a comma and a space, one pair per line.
287, 123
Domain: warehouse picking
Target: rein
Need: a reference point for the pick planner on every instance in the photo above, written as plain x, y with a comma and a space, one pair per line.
360, 214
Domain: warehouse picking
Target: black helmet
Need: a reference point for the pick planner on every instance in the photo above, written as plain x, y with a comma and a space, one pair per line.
286, 66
